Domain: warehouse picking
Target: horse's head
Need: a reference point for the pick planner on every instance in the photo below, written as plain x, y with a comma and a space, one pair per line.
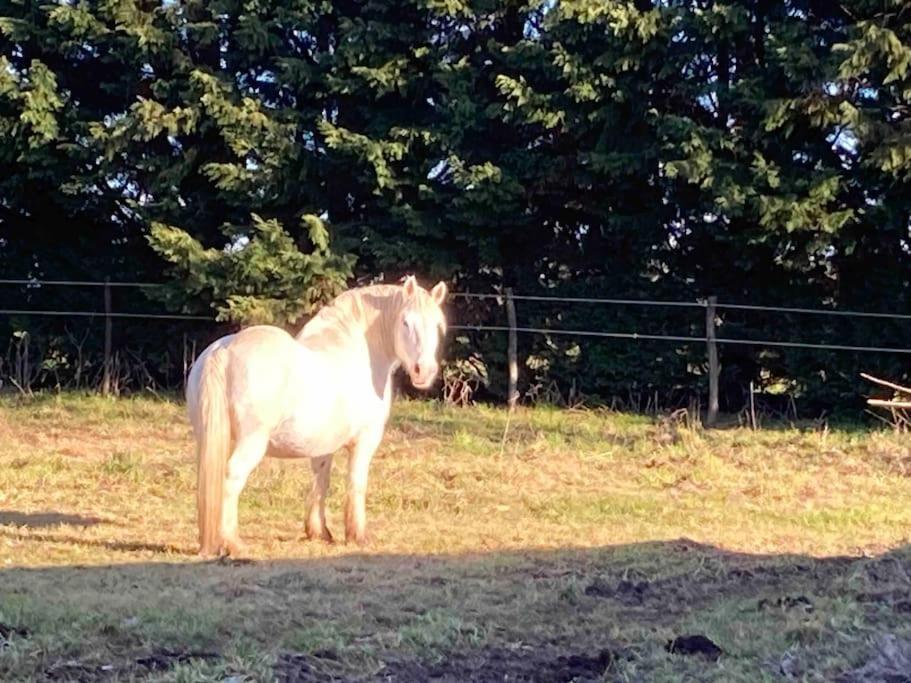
418, 329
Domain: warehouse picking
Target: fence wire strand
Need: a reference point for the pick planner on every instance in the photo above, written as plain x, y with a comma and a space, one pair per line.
582, 300
81, 283
814, 311
528, 297
102, 314
636, 336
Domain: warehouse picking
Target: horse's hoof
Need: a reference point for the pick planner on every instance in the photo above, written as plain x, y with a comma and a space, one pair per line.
360, 540
324, 535
235, 549
210, 552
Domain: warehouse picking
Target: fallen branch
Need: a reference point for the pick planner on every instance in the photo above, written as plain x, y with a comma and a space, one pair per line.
889, 404
897, 405
882, 382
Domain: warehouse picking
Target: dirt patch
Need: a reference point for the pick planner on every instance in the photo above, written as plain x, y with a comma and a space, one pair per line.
626, 592
155, 662
896, 600
162, 660
506, 666
677, 593
694, 645
75, 671
10, 633
888, 661
296, 668
787, 602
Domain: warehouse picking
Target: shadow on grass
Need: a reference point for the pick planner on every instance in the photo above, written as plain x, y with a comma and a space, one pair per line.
116, 546
649, 611
40, 520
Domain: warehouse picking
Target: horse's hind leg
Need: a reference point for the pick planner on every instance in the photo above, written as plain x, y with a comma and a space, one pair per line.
358, 467
316, 514
248, 453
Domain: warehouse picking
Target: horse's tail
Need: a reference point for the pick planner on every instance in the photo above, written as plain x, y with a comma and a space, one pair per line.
213, 429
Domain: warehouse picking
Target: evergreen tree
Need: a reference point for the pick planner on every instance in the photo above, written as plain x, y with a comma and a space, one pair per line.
752, 150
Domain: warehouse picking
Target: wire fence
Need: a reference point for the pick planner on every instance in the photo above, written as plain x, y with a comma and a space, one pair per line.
507, 298
501, 297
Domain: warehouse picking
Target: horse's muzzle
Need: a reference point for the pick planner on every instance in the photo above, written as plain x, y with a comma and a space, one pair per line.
423, 376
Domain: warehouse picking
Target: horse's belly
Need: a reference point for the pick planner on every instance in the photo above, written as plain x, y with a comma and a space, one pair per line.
308, 436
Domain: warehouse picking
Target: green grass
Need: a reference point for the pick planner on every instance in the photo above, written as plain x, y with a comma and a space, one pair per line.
494, 551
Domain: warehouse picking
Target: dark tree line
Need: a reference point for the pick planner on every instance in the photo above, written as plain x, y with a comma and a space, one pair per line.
261, 155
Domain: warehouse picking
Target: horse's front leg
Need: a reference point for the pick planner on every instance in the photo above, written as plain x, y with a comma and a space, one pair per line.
316, 514
358, 466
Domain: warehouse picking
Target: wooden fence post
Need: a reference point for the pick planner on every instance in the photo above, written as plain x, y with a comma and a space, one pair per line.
512, 395
712, 413
106, 377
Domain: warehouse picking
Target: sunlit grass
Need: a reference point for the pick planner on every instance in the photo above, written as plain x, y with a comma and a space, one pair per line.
488, 532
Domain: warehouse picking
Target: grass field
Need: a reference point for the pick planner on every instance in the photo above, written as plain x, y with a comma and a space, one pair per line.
575, 548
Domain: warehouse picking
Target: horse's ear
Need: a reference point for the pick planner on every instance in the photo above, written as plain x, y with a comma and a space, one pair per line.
410, 286
439, 292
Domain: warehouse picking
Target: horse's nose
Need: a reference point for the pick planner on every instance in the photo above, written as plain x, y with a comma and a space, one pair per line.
425, 372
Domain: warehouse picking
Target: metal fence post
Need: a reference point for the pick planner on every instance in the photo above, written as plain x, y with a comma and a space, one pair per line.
512, 395
712, 414
106, 377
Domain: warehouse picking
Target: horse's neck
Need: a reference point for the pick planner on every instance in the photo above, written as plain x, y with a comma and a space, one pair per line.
363, 322
378, 338
379, 333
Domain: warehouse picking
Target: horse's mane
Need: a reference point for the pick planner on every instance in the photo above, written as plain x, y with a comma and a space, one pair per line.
355, 313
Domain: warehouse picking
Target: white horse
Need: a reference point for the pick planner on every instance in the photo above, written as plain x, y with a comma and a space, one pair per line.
262, 390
